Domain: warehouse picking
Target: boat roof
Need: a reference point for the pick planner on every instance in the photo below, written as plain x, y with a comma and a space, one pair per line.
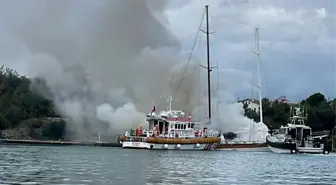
171, 116
295, 126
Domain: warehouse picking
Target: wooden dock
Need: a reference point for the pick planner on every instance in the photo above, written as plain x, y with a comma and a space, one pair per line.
57, 143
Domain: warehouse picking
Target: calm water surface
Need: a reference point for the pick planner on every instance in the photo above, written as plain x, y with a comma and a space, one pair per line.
89, 165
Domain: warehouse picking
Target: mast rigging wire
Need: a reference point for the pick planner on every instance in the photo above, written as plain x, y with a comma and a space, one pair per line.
188, 61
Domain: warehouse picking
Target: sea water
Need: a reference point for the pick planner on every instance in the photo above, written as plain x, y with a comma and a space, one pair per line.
96, 165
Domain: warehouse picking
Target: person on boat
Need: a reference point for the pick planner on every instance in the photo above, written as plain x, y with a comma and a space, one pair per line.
205, 132
197, 133
158, 130
154, 133
172, 133
140, 131
219, 133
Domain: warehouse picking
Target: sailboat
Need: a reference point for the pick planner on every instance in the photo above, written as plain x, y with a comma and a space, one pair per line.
174, 129
230, 144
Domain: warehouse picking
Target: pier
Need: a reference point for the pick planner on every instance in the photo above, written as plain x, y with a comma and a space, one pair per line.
58, 143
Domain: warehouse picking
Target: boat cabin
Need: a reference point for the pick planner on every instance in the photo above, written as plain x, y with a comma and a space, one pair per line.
172, 126
296, 130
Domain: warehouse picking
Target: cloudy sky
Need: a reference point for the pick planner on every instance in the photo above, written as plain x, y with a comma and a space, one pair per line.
297, 43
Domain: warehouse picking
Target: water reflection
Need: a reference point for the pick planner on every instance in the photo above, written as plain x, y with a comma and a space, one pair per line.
85, 165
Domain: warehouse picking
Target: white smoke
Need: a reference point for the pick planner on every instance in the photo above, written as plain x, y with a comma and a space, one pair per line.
106, 61
102, 61
227, 113
106, 113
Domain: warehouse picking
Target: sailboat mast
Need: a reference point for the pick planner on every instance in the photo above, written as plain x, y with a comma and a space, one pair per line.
208, 59
257, 52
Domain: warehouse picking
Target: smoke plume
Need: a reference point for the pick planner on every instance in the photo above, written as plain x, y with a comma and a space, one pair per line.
106, 62
102, 61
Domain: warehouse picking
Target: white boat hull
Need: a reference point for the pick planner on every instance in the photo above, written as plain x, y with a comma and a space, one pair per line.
279, 150
301, 150
309, 150
156, 146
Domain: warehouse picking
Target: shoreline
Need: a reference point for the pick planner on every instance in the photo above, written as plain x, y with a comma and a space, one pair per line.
57, 143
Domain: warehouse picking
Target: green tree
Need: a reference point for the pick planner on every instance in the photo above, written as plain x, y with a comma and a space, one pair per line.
22, 107
316, 100
321, 113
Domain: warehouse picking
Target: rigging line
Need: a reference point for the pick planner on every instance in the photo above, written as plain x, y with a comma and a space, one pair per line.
188, 61
217, 89
199, 84
191, 53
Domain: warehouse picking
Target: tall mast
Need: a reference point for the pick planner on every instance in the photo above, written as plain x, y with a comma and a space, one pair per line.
208, 59
257, 53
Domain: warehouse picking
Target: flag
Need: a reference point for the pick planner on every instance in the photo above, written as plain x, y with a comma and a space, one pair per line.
153, 110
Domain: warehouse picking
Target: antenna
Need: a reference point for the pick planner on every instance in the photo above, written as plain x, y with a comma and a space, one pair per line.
170, 99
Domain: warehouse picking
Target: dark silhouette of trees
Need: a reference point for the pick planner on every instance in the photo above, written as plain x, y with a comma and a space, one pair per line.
20, 107
321, 113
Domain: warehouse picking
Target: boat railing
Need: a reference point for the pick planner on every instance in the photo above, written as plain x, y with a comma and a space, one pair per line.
136, 139
321, 133
239, 142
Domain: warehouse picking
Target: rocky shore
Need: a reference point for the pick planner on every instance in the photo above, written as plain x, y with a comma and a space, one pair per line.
36, 128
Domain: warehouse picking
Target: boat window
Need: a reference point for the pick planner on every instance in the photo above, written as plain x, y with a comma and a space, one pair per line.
292, 133
188, 125
306, 132
299, 133
282, 130
178, 126
175, 126
192, 125
184, 126
166, 125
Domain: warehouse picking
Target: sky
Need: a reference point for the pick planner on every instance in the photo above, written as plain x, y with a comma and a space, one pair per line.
297, 43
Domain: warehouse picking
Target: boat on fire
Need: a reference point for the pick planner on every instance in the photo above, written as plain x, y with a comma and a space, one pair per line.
229, 140
229, 143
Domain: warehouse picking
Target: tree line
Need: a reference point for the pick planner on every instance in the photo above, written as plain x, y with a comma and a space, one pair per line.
22, 107
321, 113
